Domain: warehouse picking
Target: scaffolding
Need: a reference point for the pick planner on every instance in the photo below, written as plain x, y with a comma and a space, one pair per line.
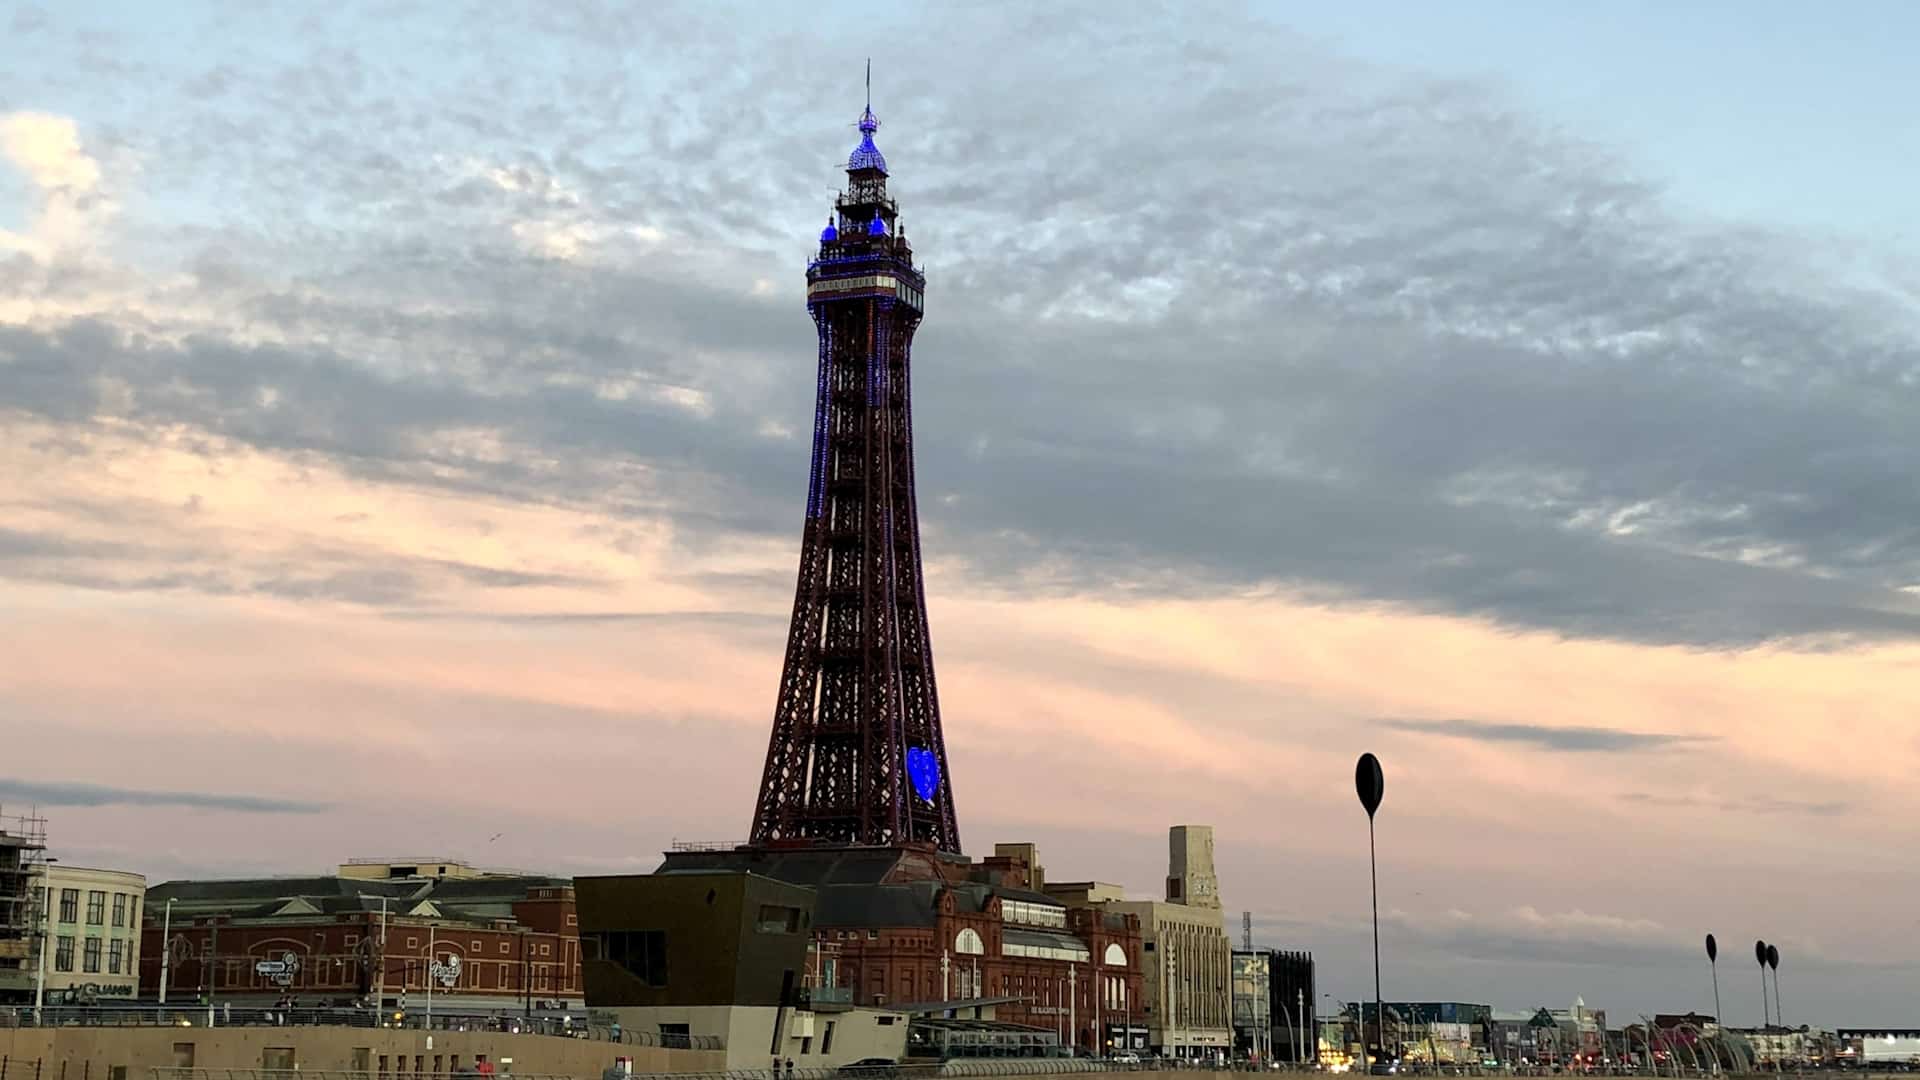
23, 866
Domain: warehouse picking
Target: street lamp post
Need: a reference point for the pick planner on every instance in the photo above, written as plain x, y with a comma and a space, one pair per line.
1713, 962
166, 949
1370, 784
46, 938
1300, 1041
430, 930
1760, 954
1773, 963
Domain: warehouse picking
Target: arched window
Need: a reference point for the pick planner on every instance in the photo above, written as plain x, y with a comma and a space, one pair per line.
1116, 956
968, 943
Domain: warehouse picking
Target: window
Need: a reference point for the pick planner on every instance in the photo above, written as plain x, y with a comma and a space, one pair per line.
546, 950
968, 943
63, 954
119, 909
353, 939
806, 1044
116, 956
573, 920
775, 919
826, 1043
503, 948
413, 943
90, 956
96, 908
476, 946
1117, 957
642, 953
133, 911
676, 1036
69, 905
873, 935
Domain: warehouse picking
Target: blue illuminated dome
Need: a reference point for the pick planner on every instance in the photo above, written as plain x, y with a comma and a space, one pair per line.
923, 769
867, 155
829, 234
877, 227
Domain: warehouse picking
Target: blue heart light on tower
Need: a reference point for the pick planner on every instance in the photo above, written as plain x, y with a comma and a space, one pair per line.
923, 768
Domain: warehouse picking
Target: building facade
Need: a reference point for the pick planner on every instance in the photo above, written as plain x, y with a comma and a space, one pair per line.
1186, 956
1295, 1006
1273, 1008
916, 929
22, 919
1253, 1032
477, 941
94, 956
719, 959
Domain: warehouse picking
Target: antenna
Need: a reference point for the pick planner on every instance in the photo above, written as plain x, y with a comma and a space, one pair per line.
1246, 931
869, 84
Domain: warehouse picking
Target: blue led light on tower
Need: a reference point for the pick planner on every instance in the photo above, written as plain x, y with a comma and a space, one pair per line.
867, 155
877, 227
829, 234
923, 768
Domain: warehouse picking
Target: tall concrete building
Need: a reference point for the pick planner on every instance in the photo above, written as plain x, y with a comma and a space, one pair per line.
1190, 876
1185, 952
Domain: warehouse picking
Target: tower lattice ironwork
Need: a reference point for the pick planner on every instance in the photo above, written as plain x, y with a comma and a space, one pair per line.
856, 755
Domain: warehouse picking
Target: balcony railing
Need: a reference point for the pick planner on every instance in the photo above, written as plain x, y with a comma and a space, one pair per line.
828, 995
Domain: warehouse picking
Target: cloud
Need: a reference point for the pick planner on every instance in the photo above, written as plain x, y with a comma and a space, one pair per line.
75, 794
1754, 804
71, 208
1442, 360
1569, 739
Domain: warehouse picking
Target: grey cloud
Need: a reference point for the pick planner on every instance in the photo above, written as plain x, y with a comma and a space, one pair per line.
1371, 338
1758, 804
1572, 739
64, 793
748, 620
28, 19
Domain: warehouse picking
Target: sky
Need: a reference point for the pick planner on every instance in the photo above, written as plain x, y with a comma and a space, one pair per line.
404, 411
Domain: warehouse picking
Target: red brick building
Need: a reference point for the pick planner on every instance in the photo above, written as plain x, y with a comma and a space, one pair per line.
903, 927
489, 943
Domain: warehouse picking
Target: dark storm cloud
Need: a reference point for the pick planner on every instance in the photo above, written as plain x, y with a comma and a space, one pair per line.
1250, 315
61, 793
1569, 739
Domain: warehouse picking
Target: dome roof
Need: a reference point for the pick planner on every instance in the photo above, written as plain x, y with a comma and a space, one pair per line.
877, 227
867, 155
829, 234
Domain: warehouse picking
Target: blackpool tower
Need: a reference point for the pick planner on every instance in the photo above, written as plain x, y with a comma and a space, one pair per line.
856, 755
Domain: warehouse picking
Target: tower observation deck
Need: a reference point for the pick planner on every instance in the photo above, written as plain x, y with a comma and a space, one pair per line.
856, 754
